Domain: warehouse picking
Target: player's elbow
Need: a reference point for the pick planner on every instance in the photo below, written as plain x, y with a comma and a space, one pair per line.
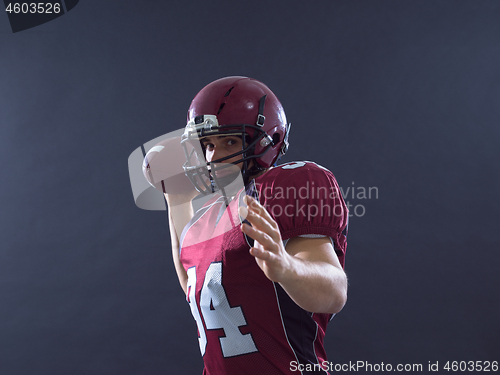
339, 296
338, 303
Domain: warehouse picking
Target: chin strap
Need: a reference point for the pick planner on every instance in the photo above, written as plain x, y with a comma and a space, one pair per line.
252, 171
285, 145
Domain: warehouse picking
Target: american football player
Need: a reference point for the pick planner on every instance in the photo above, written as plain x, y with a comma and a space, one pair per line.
261, 263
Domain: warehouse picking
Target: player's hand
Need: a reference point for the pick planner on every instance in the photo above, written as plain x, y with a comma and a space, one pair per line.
268, 249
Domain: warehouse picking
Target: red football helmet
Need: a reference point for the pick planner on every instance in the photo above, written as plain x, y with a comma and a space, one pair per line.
235, 106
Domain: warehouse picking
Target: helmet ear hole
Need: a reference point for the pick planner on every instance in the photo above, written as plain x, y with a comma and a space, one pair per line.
276, 138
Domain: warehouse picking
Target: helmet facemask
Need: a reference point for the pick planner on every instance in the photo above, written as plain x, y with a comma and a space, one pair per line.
206, 176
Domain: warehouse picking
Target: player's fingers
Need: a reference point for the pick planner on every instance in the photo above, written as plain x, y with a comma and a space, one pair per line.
261, 254
259, 222
261, 237
255, 206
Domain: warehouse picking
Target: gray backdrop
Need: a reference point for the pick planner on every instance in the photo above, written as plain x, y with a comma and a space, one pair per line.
401, 96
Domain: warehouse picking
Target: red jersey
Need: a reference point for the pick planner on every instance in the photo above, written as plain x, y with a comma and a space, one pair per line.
247, 324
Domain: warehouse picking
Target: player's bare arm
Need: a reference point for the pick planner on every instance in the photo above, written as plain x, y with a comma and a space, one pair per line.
308, 268
180, 212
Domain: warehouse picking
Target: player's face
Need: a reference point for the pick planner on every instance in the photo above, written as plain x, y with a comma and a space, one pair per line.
217, 147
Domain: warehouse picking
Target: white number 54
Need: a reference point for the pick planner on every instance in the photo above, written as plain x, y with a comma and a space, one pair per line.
218, 314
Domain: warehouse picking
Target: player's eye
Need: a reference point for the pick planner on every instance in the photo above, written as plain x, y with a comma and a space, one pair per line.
232, 141
208, 146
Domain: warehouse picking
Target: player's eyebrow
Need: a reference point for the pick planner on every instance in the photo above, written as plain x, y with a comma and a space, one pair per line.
207, 139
